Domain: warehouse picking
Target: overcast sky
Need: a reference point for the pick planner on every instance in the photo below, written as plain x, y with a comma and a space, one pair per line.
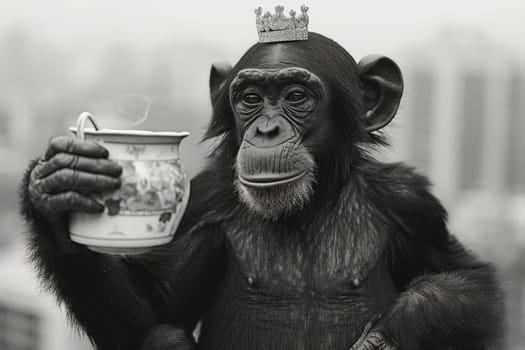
361, 26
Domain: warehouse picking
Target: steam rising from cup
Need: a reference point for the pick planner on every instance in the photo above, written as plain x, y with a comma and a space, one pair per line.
134, 107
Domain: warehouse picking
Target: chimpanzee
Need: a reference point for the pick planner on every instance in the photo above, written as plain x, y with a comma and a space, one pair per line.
295, 237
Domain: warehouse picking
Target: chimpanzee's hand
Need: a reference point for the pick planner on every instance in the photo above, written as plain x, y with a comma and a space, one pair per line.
167, 337
372, 340
67, 174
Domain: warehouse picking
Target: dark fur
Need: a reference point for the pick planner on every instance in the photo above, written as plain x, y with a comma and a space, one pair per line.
287, 284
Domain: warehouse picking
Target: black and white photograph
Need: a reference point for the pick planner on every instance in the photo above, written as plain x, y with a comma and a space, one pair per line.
262, 175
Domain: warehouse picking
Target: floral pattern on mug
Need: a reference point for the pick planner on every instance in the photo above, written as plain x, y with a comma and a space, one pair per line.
148, 187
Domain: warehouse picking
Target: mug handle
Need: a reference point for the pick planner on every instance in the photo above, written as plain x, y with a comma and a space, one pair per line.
81, 124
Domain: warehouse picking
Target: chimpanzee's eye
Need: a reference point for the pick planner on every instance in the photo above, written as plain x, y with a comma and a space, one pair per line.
252, 98
296, 96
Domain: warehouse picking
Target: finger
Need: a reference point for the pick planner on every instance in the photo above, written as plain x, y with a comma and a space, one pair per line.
367, 345
376, 341
71, 201
65, 180
73, 145
71, 161
358, 344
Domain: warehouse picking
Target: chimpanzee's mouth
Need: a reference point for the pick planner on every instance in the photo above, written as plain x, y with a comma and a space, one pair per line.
271, 179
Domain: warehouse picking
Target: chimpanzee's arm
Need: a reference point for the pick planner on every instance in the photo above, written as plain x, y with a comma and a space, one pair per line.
450, 299
456, 302
118, 300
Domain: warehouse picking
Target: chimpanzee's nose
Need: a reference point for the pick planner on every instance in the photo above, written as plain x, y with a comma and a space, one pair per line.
269, 131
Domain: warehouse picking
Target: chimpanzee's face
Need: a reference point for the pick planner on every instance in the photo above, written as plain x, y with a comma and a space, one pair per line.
300, 108
280, 117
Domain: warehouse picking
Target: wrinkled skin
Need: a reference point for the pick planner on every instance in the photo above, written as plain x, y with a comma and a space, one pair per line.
276, 164
372, 340
69, 171
66, 176
168, 337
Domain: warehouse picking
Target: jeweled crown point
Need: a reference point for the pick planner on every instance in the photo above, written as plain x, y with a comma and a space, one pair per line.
279, 27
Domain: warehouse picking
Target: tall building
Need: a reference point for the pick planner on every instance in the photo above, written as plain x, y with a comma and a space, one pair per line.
462, 122
462, 114
30, 318
514, 176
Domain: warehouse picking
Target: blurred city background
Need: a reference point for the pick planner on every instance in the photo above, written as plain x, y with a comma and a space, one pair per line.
461, 120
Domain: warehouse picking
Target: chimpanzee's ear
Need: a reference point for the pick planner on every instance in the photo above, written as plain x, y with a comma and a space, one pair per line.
218, 74
383, 84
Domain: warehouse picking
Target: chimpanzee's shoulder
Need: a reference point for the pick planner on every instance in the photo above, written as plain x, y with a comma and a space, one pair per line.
395, 179
405, 197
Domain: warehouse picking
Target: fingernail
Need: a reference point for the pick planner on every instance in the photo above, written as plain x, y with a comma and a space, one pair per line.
103, 150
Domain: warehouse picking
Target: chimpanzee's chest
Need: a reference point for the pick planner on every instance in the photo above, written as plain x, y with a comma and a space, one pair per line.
297, 264
298, 293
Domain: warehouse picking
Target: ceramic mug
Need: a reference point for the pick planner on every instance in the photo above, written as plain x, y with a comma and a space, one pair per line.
146, 210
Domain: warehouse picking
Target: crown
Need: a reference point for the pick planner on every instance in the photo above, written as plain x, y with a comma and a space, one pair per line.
279, 27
